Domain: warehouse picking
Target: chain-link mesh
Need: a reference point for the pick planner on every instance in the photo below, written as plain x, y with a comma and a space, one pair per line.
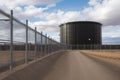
4, 41
19, 43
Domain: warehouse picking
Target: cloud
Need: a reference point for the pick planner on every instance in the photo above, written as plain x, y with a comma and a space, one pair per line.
105, 11
94, 2
54, 19
26, 9
11, 4
111, 31
108, 40
111, 34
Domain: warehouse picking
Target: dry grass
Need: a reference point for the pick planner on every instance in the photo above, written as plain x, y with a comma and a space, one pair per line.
115, 54
110, 56
17, 55
18, 58
5, 56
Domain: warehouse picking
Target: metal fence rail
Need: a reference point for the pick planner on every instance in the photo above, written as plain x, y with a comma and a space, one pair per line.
20, 44
93, 47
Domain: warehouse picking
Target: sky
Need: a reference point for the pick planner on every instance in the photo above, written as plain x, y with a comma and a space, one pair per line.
47, 15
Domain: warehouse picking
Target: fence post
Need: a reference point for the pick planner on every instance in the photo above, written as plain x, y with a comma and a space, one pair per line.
35, 53
41, 45
26, 48
51, 45
45, 43
48, 44
11, 40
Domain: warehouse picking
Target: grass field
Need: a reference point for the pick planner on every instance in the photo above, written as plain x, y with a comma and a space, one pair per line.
18, 58
115, 54
109, 56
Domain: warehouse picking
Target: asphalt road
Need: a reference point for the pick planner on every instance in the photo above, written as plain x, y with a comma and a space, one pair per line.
77, 66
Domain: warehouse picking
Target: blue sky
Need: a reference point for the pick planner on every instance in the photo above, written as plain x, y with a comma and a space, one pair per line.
71, 5
68, 5
47, 15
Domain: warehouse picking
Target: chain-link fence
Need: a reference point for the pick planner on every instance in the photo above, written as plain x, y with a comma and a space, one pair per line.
20, 44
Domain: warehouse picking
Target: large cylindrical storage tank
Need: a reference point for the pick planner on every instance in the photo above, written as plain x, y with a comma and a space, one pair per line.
81, 33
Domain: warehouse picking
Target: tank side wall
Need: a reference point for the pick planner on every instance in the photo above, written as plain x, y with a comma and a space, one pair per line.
81, 33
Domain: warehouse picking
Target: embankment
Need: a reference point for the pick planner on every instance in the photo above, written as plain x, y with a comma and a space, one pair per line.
34, 70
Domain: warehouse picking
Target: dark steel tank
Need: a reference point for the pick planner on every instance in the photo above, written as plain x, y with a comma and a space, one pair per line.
81, 33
